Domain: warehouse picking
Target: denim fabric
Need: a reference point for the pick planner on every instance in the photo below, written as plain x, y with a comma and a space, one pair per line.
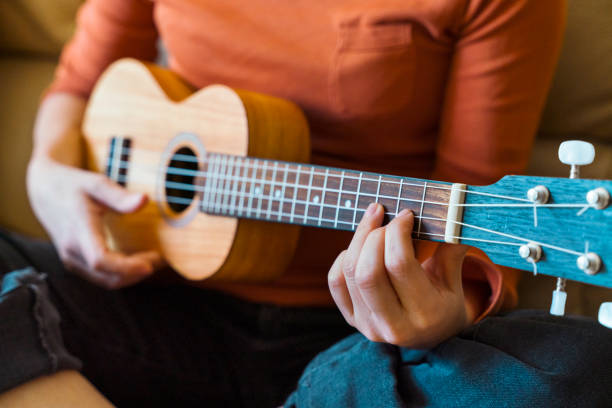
152, 345
523, 359
30, 339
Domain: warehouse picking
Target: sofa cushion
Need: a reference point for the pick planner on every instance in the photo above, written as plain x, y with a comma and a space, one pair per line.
580, 102
36, 26
22, 79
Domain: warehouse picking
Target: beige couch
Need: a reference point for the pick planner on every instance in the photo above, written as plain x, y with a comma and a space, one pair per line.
579, 106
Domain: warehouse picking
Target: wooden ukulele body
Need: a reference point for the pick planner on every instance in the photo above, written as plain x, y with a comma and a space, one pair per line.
156, 110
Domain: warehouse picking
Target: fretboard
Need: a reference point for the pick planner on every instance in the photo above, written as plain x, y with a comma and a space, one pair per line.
317, 196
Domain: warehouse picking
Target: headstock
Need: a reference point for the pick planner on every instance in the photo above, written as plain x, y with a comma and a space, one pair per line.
559, 227
548, 237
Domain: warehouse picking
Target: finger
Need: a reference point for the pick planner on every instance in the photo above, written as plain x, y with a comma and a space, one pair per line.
373, 283
98, 256
339, 291
405, 272
446, 264
371, 220
113, 195
74, 262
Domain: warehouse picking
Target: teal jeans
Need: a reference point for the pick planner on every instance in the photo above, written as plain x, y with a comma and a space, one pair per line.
523, 359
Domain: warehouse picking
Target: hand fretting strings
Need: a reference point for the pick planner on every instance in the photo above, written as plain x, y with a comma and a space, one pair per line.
220, 178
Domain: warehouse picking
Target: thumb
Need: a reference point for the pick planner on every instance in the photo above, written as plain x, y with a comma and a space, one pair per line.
448, 261
113, 195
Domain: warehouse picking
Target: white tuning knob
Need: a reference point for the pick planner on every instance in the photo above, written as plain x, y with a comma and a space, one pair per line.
605, 314
576, 153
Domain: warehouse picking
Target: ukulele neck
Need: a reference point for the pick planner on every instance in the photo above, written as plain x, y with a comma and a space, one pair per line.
318, 196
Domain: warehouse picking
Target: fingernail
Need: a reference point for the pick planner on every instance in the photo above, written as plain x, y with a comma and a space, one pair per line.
136, 199
404, 212
371, 209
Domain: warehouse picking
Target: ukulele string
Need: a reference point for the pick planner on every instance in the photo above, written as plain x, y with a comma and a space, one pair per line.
280, 213
181, 200
192, 159
271, 198
225, 177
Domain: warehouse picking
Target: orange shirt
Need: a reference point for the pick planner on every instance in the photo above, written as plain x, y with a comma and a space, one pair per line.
449, 90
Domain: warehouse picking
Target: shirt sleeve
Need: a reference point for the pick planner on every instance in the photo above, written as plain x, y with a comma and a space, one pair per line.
500, 73
499, 77
106, 31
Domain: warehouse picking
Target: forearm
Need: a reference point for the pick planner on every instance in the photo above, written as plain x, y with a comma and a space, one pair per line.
57, 135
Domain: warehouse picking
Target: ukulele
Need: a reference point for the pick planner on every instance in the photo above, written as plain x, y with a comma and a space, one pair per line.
219, 161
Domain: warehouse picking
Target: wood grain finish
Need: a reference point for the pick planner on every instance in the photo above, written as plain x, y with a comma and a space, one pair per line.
152, 106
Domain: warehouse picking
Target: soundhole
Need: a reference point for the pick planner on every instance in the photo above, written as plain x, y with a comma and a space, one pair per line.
181, 175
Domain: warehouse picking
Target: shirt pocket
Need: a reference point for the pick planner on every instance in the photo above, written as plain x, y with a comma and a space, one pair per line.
372, 68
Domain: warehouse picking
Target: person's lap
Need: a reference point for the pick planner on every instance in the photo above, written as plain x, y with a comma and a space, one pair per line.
523, 359
167, 345
185, 346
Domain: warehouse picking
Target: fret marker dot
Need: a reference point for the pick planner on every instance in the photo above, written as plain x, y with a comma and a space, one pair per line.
277, 193
257, 190
315, 199
348, 203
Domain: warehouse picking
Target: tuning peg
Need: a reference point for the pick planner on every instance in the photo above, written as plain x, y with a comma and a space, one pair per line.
605, 314
576, 153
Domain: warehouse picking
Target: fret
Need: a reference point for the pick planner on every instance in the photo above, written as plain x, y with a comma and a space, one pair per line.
206, 183
228, 182
214, 191
237, 184
348, 198
222, 180
302, 195
213, 186
399, 196
261, 190
295, 190
315, 202
236, 177
323, 196
376, 200
272, 192
252, 188
329, 201
308, 196
356, 205
339, 198
282, 201
289, 188
368, 193
421, 210
245, 175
